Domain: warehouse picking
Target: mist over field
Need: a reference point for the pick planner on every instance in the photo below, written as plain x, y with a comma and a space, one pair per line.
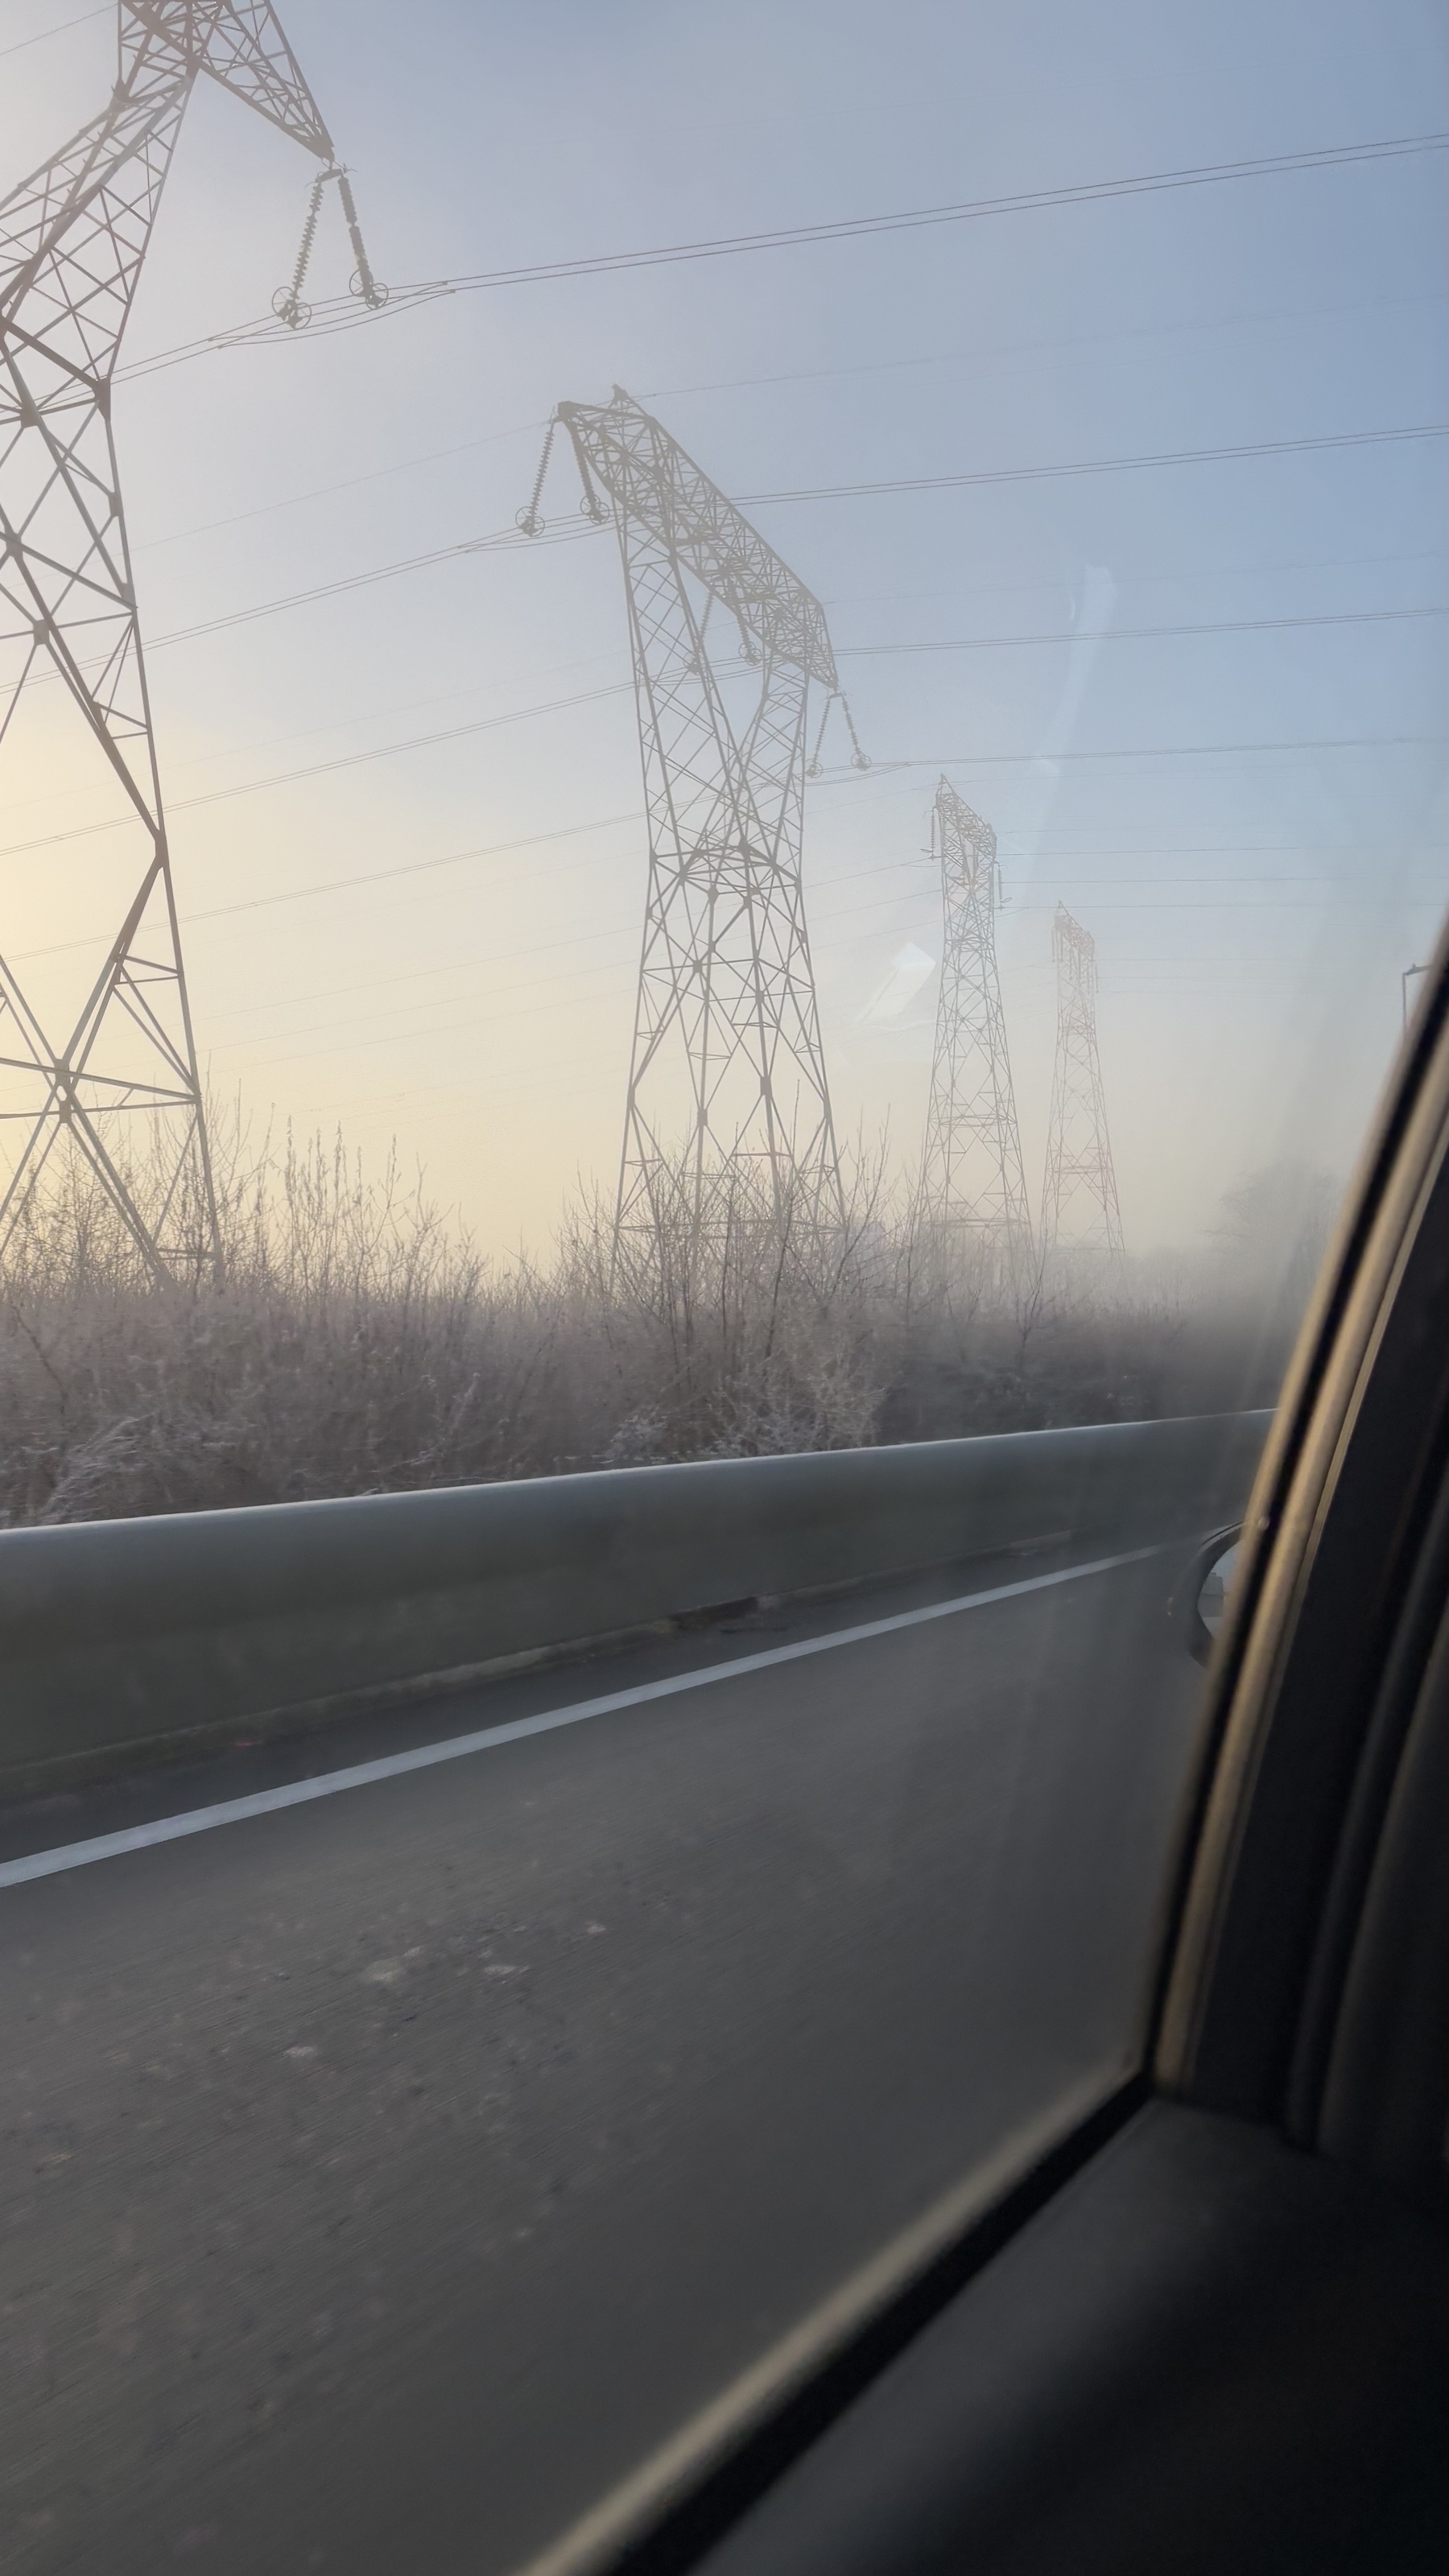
1121, 516
357, 1345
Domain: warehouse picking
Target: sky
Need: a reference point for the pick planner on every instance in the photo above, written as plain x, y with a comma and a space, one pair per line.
406, 818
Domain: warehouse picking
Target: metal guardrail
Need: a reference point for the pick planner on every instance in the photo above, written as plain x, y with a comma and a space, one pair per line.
121, 1641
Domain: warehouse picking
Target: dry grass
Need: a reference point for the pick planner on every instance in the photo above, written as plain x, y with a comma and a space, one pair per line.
358, 1347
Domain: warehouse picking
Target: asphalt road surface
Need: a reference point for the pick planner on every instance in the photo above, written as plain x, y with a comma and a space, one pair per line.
387, 2175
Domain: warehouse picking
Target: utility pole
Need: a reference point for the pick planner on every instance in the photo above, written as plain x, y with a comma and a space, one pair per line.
727, 1086
973, 1185
1079, 1212
104, 1069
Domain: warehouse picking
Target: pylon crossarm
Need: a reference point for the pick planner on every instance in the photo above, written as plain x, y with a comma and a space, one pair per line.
649, 476
237, 43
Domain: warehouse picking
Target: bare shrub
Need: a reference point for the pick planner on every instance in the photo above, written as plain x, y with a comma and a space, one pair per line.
357, 1345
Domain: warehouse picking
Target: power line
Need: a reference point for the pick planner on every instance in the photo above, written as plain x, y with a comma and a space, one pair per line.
324, 768
392, 1037
501, 541
1155, 849
967, 210
620, 688
1142, 751
575, 528
476, 545
620, 930
1147, 894
340, 312
826, 947
858, 652
1140, 634
368, 876
483, 995
570, 831
1098, 465
802, 376
1055, 340
480, 994
477, 1002
498, 541
423, 974
326, 491
366, 716
46, 33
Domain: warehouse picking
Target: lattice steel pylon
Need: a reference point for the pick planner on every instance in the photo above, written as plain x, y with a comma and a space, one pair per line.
1079, 1213
973, 1184
727, 1077
86, 1069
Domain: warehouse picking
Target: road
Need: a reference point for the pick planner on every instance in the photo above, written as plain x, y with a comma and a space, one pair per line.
387, 2175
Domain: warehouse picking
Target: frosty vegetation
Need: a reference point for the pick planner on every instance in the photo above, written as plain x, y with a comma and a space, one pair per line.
358, 1345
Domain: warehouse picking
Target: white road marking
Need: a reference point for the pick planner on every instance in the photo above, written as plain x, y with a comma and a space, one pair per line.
361, 1775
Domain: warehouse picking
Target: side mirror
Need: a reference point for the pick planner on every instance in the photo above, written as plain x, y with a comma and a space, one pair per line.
1199, 1604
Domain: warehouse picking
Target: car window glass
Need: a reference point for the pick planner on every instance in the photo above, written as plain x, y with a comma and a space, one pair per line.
721, 745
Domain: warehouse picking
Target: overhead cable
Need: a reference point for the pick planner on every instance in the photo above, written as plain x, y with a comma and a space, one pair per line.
576, 527
44, 34
1348, 438
1141, 634
323, 768
341, 313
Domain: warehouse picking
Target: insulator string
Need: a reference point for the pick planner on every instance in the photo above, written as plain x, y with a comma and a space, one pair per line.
528, 519
288, 303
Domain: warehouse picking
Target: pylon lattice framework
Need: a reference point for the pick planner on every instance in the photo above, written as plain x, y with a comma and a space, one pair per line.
72, 241
1079, 1197
973, 1183
726, 1025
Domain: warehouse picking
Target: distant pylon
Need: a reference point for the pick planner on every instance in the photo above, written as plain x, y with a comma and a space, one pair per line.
1079, 1198
973, 1185
85, 1065
727, 1078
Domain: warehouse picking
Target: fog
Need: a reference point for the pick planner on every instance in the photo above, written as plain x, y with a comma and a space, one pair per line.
1201, 704
355, 1344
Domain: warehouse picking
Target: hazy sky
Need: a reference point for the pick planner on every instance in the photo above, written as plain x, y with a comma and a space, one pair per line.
365, 947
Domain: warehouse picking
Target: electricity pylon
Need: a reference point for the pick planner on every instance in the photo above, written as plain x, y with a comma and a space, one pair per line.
973, 1184
727, 1078
84, 1068
1079, 1198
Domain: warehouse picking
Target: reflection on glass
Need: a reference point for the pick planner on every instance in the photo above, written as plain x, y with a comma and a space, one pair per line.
1212, 1601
